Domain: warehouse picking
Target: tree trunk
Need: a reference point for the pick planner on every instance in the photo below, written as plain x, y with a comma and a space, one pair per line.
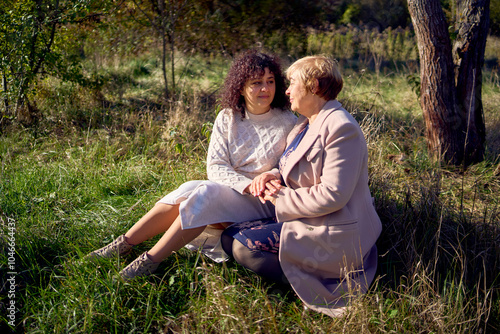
163, 32
5, 91
451, 131
469, 50
164, 66
172, 57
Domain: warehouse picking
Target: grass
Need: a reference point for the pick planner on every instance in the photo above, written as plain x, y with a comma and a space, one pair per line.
97, 163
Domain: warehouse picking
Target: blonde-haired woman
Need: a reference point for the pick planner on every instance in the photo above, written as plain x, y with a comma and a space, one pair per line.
322, 240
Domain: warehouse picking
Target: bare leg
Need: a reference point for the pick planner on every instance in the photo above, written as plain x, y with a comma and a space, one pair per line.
156, 221
174, 239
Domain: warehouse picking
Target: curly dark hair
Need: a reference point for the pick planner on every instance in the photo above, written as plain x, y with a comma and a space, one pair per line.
250, 65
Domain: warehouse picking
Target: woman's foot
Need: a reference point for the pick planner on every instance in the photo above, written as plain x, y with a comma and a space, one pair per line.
120, 246
142, 266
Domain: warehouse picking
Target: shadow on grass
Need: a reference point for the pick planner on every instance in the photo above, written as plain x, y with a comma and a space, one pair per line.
454, 250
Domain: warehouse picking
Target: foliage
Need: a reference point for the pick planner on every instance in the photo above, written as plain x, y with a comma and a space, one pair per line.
108, 32
369, 47
164, 16
495, 17
230, 26
33, 35
377, 14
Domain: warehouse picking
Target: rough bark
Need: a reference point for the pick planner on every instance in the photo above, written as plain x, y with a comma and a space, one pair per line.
469, 47
450, 101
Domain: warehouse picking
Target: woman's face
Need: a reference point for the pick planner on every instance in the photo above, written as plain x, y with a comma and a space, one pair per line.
299, 96
259, 93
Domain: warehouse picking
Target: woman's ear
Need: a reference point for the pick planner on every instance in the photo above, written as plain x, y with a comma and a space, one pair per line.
314, 86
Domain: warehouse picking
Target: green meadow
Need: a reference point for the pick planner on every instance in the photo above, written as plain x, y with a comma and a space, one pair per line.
97, 160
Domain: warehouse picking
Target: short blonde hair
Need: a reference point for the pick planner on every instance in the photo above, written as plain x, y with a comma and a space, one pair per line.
322, 68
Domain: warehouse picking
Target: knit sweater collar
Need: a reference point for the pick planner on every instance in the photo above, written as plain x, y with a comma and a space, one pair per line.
260, 118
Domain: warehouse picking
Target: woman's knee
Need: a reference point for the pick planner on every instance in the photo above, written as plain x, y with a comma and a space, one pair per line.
241, 253
262, 263
254, 260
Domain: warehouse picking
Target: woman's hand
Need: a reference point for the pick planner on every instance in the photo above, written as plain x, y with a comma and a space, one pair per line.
262, 182
268, 196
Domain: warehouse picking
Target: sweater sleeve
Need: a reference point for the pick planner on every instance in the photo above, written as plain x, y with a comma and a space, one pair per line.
219, 166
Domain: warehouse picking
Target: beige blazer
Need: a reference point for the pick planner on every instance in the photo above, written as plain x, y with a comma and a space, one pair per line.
330, 226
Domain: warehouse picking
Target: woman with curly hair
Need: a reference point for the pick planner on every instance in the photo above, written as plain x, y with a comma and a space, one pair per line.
248, 138
322, 240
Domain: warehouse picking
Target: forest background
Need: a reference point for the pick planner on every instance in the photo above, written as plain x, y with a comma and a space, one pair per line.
107, 105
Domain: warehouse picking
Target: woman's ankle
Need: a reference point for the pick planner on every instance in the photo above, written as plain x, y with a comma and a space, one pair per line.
154, 257
129, 240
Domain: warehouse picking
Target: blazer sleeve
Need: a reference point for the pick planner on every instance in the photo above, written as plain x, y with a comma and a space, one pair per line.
339, 173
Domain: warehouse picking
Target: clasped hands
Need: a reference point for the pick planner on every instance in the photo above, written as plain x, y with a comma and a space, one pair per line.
265, 186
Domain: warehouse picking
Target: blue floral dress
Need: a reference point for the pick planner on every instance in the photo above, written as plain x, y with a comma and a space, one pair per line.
264, 234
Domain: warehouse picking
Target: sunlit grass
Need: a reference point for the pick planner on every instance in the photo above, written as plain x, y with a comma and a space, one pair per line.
98, 166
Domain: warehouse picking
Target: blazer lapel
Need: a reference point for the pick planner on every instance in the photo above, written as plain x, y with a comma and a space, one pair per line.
309, 138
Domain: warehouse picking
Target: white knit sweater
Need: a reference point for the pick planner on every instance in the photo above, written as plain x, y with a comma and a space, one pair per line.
241, 149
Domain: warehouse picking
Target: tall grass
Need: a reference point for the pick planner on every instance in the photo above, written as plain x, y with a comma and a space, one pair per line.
100, 160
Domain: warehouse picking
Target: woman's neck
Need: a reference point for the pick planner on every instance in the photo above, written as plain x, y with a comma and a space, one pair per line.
317, 107
257, 111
